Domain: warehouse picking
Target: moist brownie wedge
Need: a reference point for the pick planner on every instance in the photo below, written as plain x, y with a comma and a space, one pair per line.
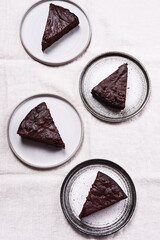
60, 21
112, 90
39, 126
103, 193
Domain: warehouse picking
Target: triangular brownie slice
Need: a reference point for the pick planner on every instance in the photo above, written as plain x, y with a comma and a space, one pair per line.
103, 193
38, 125
60, 21
112, 90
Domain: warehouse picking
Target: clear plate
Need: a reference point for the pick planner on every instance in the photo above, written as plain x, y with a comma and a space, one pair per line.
66, 49
75, 189
40, 155
138, 86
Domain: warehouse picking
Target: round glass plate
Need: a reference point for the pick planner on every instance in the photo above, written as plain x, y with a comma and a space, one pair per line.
66, 49
67, 121
75, 189
138, 86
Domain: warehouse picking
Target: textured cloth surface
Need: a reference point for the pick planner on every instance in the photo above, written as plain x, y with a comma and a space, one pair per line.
29, 198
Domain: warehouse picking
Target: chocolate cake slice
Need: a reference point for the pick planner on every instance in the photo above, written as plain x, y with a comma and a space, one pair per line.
38, 125
112, 90
60, 21
103, 193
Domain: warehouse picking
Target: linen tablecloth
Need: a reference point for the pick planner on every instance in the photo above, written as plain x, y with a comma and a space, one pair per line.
29, 198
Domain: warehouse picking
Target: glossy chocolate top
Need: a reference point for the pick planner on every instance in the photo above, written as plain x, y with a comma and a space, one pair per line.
103, 193
60, 21
38, 125
112, 90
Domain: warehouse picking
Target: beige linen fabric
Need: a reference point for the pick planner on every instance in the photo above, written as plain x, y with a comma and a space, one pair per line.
29, 198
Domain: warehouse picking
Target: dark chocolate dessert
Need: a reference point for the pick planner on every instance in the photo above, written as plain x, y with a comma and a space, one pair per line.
112, 90
103, 193
38, 125
60, 21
